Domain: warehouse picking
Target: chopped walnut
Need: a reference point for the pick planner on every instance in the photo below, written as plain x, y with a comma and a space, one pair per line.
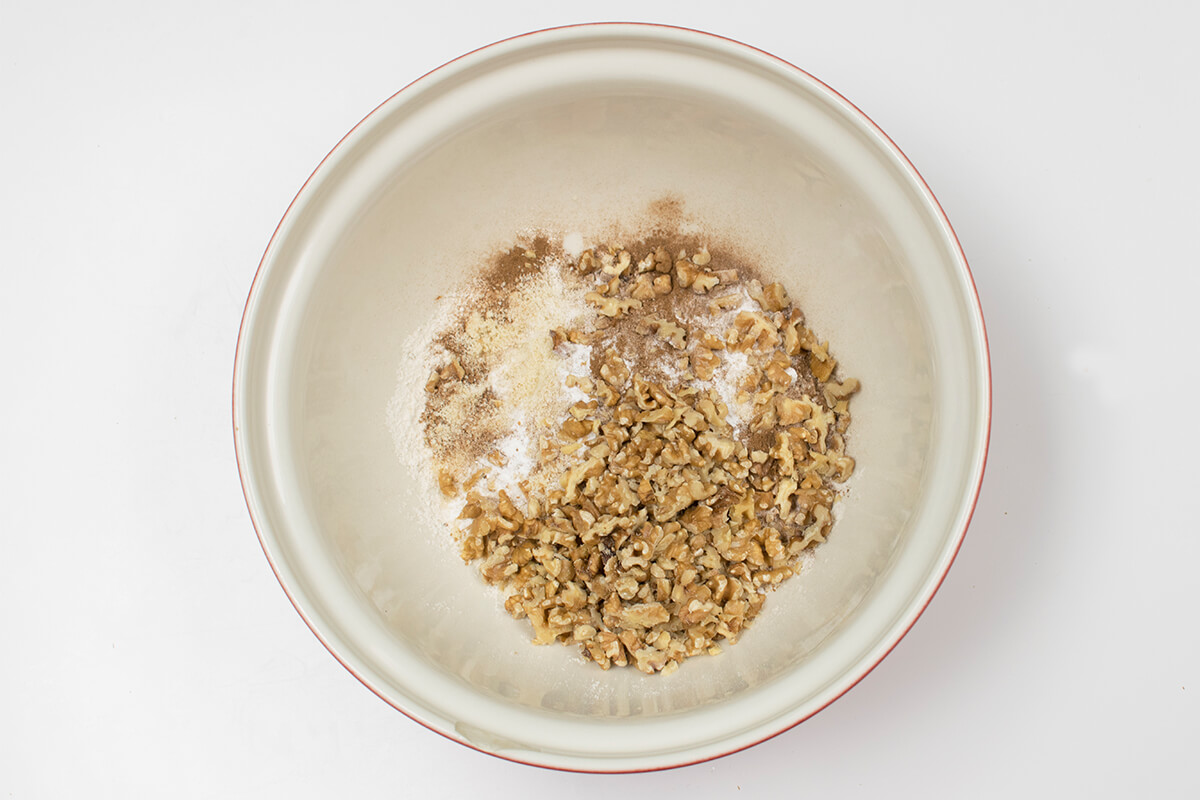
612, 306
774, 297
620, 266
672, 333
703, 283
704, 363
586, 263
724, 303
664, 524
643, 288
821, 365
685, 273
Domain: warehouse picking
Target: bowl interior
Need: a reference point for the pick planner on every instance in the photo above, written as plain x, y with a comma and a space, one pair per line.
581, 131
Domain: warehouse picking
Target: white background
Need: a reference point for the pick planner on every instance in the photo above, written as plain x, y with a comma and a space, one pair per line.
147, 151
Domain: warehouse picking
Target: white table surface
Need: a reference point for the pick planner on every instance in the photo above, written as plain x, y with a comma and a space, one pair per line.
146, 153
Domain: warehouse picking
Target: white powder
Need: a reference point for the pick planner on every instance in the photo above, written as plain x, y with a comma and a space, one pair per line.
577, 361
572, 245
727, 381
735, 365
525, 376
520, 453
417, 360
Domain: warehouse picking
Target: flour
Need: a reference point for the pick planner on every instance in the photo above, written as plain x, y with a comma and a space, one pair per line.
727, 381
404, 424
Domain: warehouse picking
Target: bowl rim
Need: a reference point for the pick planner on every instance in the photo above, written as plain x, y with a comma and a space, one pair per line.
614, 28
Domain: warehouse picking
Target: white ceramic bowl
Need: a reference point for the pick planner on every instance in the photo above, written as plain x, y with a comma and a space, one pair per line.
575, 129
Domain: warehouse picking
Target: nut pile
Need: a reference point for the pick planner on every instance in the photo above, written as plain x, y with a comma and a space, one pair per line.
673, 513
